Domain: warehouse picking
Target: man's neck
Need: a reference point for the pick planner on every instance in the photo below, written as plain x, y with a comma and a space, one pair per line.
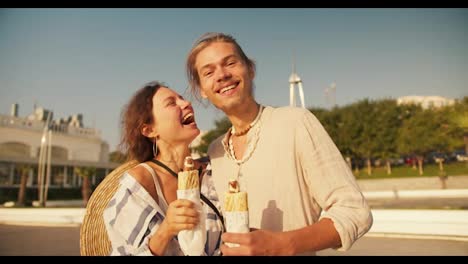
242, 118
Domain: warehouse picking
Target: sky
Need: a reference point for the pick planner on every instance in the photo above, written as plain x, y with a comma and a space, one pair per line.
91, 61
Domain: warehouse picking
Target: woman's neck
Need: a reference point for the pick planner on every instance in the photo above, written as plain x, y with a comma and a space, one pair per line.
173, 156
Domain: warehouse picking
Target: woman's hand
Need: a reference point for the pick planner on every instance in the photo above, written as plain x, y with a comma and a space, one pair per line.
180, 215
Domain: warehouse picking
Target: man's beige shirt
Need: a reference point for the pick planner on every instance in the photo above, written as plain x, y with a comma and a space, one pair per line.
295, 176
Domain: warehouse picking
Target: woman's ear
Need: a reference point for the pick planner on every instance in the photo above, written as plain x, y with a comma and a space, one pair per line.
148, 131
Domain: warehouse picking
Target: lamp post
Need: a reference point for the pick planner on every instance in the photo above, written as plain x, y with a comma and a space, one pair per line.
44, 152
49, 155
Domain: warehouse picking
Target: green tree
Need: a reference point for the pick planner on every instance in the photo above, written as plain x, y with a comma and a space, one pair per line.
348, 132
117, 157
330, 120
364, 144
221, 127
459, 119
425, 131
85, 173
388, 121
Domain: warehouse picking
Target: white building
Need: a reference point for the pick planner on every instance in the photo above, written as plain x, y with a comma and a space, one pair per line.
426, 101
72, 145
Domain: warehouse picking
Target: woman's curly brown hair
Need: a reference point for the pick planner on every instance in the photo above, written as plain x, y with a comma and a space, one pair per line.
138, 112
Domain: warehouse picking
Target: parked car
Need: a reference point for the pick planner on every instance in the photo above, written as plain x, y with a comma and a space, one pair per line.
460, 155
397, 161
432, 157
410, 160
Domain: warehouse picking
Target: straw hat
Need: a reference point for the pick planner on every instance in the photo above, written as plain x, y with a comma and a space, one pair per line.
93, 234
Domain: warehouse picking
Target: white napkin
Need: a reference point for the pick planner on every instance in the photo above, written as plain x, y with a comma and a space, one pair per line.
237, 222
192, 242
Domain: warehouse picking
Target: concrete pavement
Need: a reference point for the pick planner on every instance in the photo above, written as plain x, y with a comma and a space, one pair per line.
443, 224
65, 241
420, 194
42, 216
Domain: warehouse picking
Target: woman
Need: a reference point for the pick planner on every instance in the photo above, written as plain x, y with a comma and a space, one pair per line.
145, 216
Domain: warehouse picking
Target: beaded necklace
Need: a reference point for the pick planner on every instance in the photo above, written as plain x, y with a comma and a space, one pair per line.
244, 131
251, 144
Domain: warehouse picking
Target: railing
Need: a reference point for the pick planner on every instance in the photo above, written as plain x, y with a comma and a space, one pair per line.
16, 122
37, 125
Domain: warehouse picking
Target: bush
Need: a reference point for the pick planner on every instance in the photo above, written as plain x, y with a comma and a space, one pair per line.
11, 194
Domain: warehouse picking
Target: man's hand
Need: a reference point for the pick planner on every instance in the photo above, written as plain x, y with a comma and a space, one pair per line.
257, 243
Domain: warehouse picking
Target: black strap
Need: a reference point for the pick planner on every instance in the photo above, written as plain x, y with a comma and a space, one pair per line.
203, 197
165, 167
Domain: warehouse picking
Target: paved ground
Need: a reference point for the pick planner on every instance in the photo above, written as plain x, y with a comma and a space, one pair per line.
378, 246
39, 241
413, 183
17, 240
64, 241
428, 203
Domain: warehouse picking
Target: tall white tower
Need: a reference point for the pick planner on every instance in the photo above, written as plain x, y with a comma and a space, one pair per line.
293, 80
330, 94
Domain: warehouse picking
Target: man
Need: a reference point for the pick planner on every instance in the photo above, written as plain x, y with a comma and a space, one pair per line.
302, 196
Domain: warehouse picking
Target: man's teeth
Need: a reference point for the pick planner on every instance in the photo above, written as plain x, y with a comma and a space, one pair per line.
225, 89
